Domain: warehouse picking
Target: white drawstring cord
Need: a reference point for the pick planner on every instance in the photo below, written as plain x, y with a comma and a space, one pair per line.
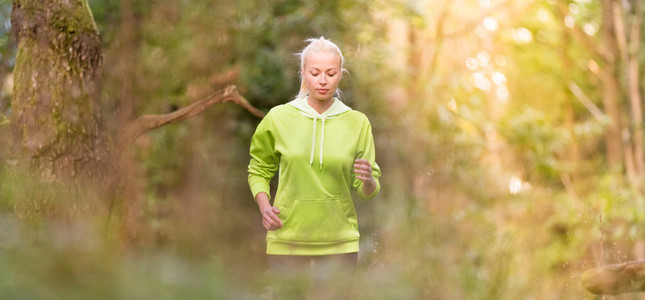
322, 142
313, 143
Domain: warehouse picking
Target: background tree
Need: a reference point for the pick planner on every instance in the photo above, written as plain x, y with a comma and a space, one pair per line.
56, 117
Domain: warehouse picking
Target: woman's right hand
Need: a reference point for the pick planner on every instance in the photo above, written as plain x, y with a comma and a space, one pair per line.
270, 219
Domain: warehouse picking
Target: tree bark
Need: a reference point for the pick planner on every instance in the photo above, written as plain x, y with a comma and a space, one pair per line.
56, 119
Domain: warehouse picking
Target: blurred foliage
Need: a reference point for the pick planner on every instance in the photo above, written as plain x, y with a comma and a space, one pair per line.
494, 181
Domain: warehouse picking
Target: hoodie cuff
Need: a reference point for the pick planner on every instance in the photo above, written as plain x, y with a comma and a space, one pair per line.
259, 187
370, 196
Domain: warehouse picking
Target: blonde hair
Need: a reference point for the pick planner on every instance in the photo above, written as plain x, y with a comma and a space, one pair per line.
320, 44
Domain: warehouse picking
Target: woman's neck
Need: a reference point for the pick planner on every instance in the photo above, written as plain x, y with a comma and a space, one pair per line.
320, 106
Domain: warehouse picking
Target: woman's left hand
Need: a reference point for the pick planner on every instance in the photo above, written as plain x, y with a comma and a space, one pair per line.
363, 171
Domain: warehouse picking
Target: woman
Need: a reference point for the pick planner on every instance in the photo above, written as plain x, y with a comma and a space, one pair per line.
313, 222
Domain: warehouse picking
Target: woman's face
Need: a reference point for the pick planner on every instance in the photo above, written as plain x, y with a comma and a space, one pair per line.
322, 73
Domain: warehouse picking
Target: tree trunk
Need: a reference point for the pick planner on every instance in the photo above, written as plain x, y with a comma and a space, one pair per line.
633, 88
611, 88
570, 175
56, 119
126, 56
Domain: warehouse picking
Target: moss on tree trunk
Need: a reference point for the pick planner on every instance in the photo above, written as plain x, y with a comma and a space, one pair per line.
56, 119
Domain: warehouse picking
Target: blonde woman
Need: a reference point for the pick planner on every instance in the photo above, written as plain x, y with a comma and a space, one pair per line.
323, 150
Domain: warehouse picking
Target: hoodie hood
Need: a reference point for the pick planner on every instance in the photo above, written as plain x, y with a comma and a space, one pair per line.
337, 108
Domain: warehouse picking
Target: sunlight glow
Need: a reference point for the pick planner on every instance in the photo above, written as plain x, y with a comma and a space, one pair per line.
516, 185
593, 66
574, 9
480, 32
452, 104
502, 94
590, 29
481, 82
543, 15
500, 60
483, 58
522, 35
484, 3
490, 24
569, 21
471, 63
498, 78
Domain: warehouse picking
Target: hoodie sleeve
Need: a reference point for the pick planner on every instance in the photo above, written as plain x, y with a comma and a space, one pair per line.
365, 150
264, 160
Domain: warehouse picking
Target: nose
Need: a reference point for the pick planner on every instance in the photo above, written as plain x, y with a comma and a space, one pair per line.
323, 79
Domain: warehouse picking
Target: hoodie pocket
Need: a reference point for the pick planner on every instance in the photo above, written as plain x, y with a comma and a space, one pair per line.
317, 220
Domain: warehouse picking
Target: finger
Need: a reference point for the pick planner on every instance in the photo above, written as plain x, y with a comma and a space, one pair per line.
363, 166
271, 225
276, 226
363, 173
273, 219
277, 222
363, 170
361, 161
275, 210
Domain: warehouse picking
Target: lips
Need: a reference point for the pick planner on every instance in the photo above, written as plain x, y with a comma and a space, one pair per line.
322, 91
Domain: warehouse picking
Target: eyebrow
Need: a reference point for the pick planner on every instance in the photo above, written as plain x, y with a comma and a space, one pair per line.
331, 69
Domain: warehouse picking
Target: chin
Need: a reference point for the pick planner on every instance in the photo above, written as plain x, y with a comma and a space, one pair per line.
323, 98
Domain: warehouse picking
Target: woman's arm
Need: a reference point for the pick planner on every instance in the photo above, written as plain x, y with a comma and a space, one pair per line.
366, 170
263, 165
270, 219
363, 171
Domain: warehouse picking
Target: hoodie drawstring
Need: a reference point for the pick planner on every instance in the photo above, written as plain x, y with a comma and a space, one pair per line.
306, 110
322, 142
313, 141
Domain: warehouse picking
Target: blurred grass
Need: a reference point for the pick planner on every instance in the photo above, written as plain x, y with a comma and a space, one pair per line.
448, 248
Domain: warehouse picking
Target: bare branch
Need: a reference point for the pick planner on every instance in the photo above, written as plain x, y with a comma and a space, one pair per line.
586, 102
616, 279
146, 123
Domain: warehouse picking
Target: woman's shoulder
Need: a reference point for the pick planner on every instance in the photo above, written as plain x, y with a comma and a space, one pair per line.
281, 109
356, 115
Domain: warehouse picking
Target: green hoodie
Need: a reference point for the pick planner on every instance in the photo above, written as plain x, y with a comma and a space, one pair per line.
314, 195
